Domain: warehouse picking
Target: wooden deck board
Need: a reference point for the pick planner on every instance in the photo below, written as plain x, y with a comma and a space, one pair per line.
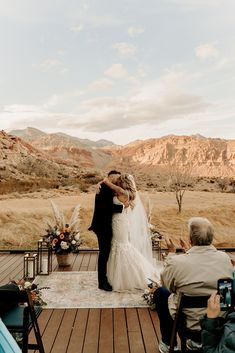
77, 263
156, 323
64, 332
134, 331
85, 261
12, 269
149, 334
92, 331
50, 334
93, 262
121, 341
77, 338
106, 331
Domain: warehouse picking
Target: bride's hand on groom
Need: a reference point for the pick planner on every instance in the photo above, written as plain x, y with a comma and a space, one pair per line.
126, 203
98, 186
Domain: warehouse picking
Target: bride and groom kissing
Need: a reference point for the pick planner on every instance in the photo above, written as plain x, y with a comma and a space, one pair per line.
120, 223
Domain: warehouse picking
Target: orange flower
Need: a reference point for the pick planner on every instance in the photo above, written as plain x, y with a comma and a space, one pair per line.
54, 241
33, 295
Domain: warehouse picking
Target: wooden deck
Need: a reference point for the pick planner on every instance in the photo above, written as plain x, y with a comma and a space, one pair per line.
128, 330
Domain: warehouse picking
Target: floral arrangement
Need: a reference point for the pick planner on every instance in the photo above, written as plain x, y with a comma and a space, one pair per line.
64, 237
35, 291
148, 293
36, 296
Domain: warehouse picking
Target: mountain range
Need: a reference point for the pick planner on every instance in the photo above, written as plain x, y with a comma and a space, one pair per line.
33, 155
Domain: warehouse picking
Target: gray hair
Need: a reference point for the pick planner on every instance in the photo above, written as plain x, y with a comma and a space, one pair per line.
201, 231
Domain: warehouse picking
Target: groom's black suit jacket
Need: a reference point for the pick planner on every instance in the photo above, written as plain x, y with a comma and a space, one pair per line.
103, 210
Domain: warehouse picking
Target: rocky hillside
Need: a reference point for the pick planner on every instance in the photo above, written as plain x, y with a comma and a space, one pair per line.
208, 157
24, 167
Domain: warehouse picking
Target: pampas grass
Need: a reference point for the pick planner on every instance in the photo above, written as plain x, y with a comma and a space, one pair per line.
75, 219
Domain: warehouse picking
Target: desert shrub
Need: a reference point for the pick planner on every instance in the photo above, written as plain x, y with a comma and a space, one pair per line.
232, 191
151, 185
83, 186
21, 186
91, 178
90, 175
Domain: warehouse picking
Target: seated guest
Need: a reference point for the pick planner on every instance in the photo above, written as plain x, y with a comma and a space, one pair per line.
7, 342
193, 273
218, 334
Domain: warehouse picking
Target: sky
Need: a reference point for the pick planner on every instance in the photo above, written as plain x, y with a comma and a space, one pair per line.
118, 70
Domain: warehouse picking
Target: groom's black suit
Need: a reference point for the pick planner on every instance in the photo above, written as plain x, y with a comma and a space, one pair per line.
102, 226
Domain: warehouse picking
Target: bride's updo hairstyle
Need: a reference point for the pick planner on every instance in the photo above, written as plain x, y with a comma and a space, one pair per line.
125, 181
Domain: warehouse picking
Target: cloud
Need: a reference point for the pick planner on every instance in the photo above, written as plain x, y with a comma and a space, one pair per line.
142, 71
53, 101
149, 104
135, 31
20, 116
207, 50
21, 108
125, 49
145, 109
51, 65
77, 29
102, 84
197, 4
108, 113
98, 20
61, 52
116, 71
105, 114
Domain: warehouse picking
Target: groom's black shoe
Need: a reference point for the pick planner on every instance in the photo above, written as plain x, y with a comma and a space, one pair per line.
106, 286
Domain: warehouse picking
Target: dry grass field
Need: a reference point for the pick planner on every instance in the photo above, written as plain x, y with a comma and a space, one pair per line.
23, 217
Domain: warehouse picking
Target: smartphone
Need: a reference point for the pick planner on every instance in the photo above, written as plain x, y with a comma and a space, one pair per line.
225, 290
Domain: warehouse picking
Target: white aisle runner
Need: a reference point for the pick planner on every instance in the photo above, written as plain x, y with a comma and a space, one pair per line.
80, 290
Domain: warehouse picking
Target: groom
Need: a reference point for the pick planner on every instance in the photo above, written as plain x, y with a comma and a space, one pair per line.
101, 225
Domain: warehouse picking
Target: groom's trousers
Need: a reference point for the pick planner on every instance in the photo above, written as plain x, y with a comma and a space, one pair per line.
104, 240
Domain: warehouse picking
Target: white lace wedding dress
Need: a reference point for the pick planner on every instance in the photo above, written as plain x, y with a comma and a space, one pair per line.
127, 268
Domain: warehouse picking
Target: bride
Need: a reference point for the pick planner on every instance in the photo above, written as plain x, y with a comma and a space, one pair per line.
130, 261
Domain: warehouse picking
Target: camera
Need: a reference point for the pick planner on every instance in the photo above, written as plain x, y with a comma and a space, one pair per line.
225, 290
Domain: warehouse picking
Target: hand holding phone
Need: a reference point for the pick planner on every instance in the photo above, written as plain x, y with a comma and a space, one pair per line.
213, 306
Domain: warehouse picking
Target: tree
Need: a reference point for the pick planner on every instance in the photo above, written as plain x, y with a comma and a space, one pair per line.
233, 185
180, 180
223, 183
